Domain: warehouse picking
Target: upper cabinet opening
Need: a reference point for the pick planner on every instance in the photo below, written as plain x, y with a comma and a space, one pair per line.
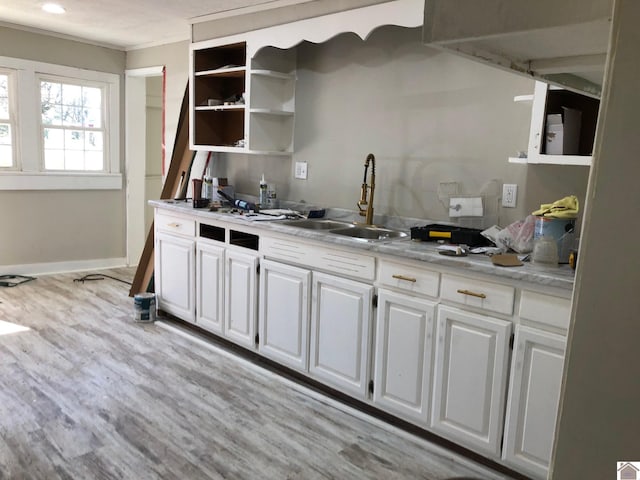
563, 43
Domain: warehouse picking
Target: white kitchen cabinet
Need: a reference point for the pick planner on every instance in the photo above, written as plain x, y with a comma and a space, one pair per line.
241, 294
470, 379
175, 275
210, 286
284, 313
340, 333
534, 395
403, 353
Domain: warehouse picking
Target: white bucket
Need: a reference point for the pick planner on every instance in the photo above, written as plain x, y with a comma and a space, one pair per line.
144, 307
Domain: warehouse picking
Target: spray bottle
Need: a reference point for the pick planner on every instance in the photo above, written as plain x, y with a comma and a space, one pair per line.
262, 197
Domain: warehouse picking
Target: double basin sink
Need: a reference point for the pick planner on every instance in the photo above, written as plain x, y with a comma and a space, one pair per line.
365, 233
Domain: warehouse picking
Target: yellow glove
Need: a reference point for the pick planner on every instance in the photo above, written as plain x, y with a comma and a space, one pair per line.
566, 207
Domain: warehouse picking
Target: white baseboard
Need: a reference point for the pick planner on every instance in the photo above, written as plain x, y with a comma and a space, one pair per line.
62, 267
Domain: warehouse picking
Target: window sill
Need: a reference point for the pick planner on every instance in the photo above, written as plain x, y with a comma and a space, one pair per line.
60, 181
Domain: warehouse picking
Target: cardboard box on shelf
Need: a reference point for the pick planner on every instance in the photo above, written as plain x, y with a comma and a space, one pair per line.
562, 136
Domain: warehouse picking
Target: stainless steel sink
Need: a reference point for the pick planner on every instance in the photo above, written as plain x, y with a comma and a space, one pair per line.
318, 224
370, 233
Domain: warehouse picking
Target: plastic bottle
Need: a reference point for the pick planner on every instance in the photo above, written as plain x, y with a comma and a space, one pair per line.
262, 197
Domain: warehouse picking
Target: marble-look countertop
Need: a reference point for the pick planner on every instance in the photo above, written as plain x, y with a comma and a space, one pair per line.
561, 276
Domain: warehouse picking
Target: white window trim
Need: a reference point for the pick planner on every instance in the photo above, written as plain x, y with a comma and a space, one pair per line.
29, 174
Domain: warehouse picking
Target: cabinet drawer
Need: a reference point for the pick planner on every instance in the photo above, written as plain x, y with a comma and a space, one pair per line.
545, 309
409, 278
175, 224
488, 296
319, 258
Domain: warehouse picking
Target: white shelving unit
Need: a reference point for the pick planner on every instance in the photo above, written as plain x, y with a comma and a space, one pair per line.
549, 99
261, 64
256, 93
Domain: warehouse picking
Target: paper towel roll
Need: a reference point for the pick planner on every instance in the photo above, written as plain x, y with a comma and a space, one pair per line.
465, 207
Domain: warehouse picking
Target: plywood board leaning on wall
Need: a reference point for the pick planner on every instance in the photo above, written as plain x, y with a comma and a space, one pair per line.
181, 159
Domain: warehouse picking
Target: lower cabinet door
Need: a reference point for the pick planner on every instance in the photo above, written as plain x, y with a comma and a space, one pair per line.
472, 354
340, 333
209, 286
284, 313
534, 395
404, 347
241, 294
175, 275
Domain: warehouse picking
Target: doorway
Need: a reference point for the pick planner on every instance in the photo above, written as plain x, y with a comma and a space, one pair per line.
144, 119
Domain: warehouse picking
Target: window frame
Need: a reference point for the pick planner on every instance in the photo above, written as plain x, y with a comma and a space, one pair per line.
104, 114
29, 173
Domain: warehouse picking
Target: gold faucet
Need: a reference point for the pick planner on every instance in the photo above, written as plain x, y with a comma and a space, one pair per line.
370, 189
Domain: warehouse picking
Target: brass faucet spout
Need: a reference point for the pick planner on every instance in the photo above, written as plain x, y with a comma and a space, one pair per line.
368, 189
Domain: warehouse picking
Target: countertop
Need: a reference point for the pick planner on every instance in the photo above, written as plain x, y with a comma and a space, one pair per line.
561, 276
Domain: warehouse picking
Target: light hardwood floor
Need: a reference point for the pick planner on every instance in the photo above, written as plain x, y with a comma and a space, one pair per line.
87, 393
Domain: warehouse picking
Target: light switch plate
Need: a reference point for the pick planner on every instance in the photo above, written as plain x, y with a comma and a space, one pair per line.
301, 170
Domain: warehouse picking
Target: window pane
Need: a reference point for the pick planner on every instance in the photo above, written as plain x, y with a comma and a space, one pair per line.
72, 116
54, 159
92, 97
73, 140
4, 86
93, 161
5, 134
51, 114
6, 156
4, 97
73, 160
72, 95
50, 99
92, 118
4, 107
53, 138
93, 141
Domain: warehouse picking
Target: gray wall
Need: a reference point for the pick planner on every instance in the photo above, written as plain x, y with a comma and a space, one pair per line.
61, 226
428, 116
175, 58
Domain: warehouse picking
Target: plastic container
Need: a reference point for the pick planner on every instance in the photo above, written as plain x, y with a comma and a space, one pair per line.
545, 251
562, 230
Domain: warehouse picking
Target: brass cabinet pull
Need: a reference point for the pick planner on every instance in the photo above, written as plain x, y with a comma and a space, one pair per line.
174, 225
473, 294
402, 277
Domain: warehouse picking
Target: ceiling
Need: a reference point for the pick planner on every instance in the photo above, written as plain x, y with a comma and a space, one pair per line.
124, 24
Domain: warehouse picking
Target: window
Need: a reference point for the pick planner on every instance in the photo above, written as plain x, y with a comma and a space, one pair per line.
73, 131
59, 127
6, 122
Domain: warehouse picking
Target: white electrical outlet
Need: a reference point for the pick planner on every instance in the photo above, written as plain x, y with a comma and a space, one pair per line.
301, 170
509, 195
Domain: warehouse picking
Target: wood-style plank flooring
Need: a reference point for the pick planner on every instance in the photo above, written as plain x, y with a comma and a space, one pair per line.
87, 393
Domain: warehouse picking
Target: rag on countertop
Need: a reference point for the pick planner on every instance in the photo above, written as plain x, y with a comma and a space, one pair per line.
566, 207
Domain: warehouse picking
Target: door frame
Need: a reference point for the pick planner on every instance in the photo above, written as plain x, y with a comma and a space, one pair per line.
135, 155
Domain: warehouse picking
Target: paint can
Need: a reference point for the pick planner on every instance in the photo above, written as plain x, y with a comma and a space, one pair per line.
562, 230
144, 307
